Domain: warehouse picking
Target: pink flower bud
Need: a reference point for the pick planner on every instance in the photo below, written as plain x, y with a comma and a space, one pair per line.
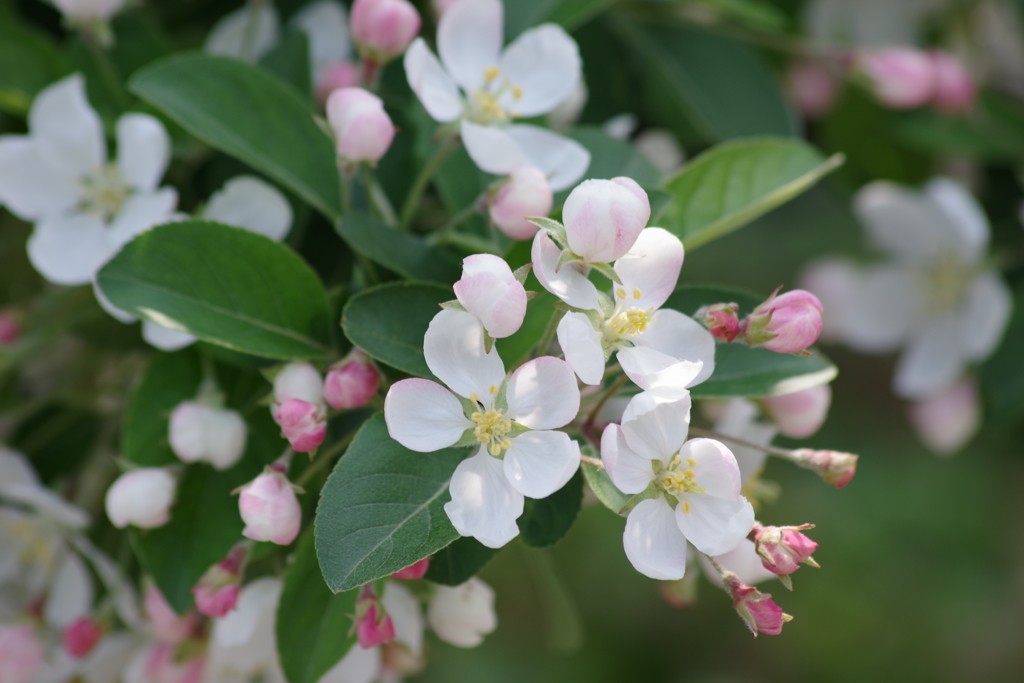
525, 192
948, 421
142, 498
801, 414
384, 28
490, 291
201, 432
782, 549
270, 509
86, 10
217, 590
81, 637
784, 324
168, 627
954, 88
352, 383
10, 330
362, 129
812, 87
722, 320
21, 653
373, 625
756, 609
333, 77
603, 218
302, 423
299, 380
900, 77
413, 571
834, 467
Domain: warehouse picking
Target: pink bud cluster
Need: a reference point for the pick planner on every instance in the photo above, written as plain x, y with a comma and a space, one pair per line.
906, 78
525, 192
372, 624
784, 324
833, 467
217, 590
783, 549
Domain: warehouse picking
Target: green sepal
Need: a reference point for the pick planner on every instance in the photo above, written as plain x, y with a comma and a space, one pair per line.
554, 229
468, 407
531, 295
488, 342
520, 274
468, 438
650, 492
454, 305
607, 305
566, 258
500, 400
518, 429
607, 271
601, 484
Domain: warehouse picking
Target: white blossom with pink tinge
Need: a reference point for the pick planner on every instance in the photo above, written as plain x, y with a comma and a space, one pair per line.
486, 89
202, 432
524, 193
363, 131
141, 498
89, 10
510, 425
900, 77
494, 296
801, 414
462, 615
947, 421
269, 508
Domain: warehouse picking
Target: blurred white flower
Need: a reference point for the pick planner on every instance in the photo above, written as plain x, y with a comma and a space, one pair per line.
462, 615
867, 23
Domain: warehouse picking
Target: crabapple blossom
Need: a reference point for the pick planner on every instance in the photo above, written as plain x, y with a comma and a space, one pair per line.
248, 33
384, 28
946, 421
800, 414
299, 380
462, 615
784, 324
508, 420
363, 131
722, 320
352, 382
326, 25
89, 10
161, 664
81, 637
203, 432
758, 611
269, 508
168, 626
373, 625
242, 645
142, 498
298, 406
812, 87
413, 571
21, 653
525, 192
954, 87
217, 590
782, 549
657, 347
567, 113
693, 487
604, 218
529, 78
900, 77
492, 294
742, 560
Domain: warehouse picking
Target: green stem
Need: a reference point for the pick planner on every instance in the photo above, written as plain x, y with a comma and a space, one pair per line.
473, 244
771, 450
442, 234
615, 386
110, 74
549, 332
412, 201
325, 458
346, 190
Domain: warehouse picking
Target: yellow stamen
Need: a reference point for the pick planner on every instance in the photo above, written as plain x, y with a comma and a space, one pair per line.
621, 293
691, 462
493, 391
630, 322
474, 397
684, 506
490, 73
517, 93
636, 293
491, 430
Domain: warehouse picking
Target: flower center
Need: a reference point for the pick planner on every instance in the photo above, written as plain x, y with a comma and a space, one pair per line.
492, 428
947, 283
676, 480
483, 107
104, 192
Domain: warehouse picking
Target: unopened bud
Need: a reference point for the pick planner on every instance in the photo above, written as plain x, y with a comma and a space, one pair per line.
217, 590
464, 614
812, 87
168, 626
603, 218
81, 637
413, 571
757, 609
201, 432
372, 624
490, 291
834, 467
782, 549
900, 77
302, 423
948, 421
722, 320
299, 380
142, 498
784, 324
352, 383
363, 131
335, 76
10, 330
801, 414
270, 509
384, 28
21, 653
525, 192
954, 87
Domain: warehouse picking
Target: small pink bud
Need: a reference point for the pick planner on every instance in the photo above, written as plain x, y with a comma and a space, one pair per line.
81, 637
413, 571
782, 549
384, 28
142, 498
217, 590
603, 218
333, 77
834, 467
757, 609
373, 625
801, 414
168, 627
352, 383
525, 192
303, 424
362, 129
21, 653
948, 421
784, 324
900, 77
812, 87
954, 88
10, 330
270, 509
299, 380
722, 320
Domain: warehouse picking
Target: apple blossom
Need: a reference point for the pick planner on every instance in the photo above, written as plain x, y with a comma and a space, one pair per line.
81, 637
352, 382
782, 549
462, 615
168, 626
525, 192
298, 380
565, 115
413, 571
161, 664
722, 320
784, 324
946, 421
812, 87
372, 624
142, 498
757, 609
89, 10
248, 33
84, 207
656, 347
326, 25
362, 129
217, 590
242, 645
269, 508
21, 653
302, 423
10, 330
604, 218
203, 432
900, 77
509, 421
384, 28
800, 414
529, 78
490, 292
954, 87
692, 488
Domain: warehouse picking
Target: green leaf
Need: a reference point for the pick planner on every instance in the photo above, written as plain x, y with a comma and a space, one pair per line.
538, 314
382, 508
459, 562
1002, 375
743, 371
734, 183
224, 285
723, 87
389, 321
523, 14
289, 61
546, 520
398, 251
57, 439
169, 379
249, 114
28, 63
312, 623
601, 484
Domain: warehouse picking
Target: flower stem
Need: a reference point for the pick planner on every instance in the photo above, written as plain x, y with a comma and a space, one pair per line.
346, 190
771, 450
412, 201
377, 198
549, 333
325, 458
441, 235
592, 461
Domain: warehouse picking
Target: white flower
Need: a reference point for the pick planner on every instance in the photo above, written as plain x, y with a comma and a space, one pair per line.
656, 347
142, 498
695, 487
243, 643
518, 455
935, 298
739, 419
491, 293
89, 10
486, 89
198, 431
462, 615
84, 207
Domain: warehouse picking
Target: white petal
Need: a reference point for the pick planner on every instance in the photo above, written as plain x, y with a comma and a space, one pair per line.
326, 25
681, 337
490, 291
569, 283
424, 416
884, 309
659, 433
715, 525
563, 160
651, 266
140, 212
71, 593
540, 463
542, 394
984, 316
469, 40
743, 561
15, 470
431, 83
357, 666
68, 249
932, 361
248, 202
143, 150
653, 370
714, 467
236, 35
454, 350
964, 214
631, 473
653, 542
66, 129
29, 186
836, 283
484, 504
739, 419
164, 338
406, 615
493, 149
581, 344
544, 62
